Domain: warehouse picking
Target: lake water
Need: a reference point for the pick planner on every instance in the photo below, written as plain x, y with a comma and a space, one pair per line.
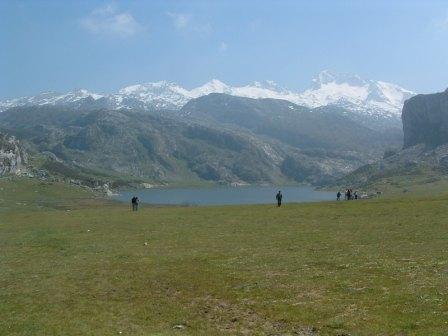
225, 195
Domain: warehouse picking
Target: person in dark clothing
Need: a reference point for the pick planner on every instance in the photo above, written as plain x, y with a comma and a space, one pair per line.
134, 202
279, 197
338, 196
349, 194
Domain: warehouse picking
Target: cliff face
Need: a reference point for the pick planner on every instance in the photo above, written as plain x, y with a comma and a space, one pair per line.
425, 120
12, 157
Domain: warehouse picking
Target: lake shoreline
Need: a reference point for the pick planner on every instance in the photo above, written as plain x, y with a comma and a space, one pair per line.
224, 195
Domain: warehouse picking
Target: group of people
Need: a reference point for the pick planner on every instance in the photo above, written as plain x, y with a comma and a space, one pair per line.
349, 195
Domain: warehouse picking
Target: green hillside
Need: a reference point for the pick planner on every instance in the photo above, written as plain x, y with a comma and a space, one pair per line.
140, 146
85, 266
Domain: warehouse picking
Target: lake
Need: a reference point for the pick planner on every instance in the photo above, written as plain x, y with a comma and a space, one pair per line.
225, 195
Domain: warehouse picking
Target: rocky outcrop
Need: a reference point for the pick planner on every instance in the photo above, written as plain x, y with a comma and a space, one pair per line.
417, 163
425, 120
12, 157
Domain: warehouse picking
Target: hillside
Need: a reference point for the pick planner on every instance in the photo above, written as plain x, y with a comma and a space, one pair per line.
298, 126
139, 145
215, 138
424, 158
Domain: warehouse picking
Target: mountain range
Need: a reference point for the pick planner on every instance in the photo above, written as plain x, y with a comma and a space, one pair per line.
216, 138
162, 133
370, 102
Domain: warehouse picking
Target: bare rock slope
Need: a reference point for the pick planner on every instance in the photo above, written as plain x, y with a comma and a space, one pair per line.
12, 157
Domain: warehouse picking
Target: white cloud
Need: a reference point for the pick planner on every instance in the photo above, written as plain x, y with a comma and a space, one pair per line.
108, 20
223, 47
180, 20
186, 24
442, 23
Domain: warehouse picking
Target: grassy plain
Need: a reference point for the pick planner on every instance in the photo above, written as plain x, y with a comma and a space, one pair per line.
74, 264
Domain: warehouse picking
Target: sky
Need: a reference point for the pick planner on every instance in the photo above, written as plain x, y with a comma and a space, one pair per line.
106, 45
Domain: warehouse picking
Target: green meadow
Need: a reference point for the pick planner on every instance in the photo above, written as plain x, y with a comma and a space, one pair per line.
72, 263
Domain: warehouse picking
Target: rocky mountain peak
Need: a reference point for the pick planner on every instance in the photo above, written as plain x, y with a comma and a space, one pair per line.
326, 77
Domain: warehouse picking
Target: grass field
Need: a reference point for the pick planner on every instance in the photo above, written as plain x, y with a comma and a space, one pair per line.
73, 264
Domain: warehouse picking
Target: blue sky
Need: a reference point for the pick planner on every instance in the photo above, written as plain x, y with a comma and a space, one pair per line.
105, 45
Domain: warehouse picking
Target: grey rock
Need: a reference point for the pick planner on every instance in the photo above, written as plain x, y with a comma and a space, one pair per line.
425, 119
13, 158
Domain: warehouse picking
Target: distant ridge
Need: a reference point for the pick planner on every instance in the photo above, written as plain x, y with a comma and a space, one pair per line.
371, 98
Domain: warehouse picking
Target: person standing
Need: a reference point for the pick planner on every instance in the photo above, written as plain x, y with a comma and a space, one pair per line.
134, 202
338, 196
279, 197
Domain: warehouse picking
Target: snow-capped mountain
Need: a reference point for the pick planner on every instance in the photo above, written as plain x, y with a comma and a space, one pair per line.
49, 98
364, 97
356, 94
159, 95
